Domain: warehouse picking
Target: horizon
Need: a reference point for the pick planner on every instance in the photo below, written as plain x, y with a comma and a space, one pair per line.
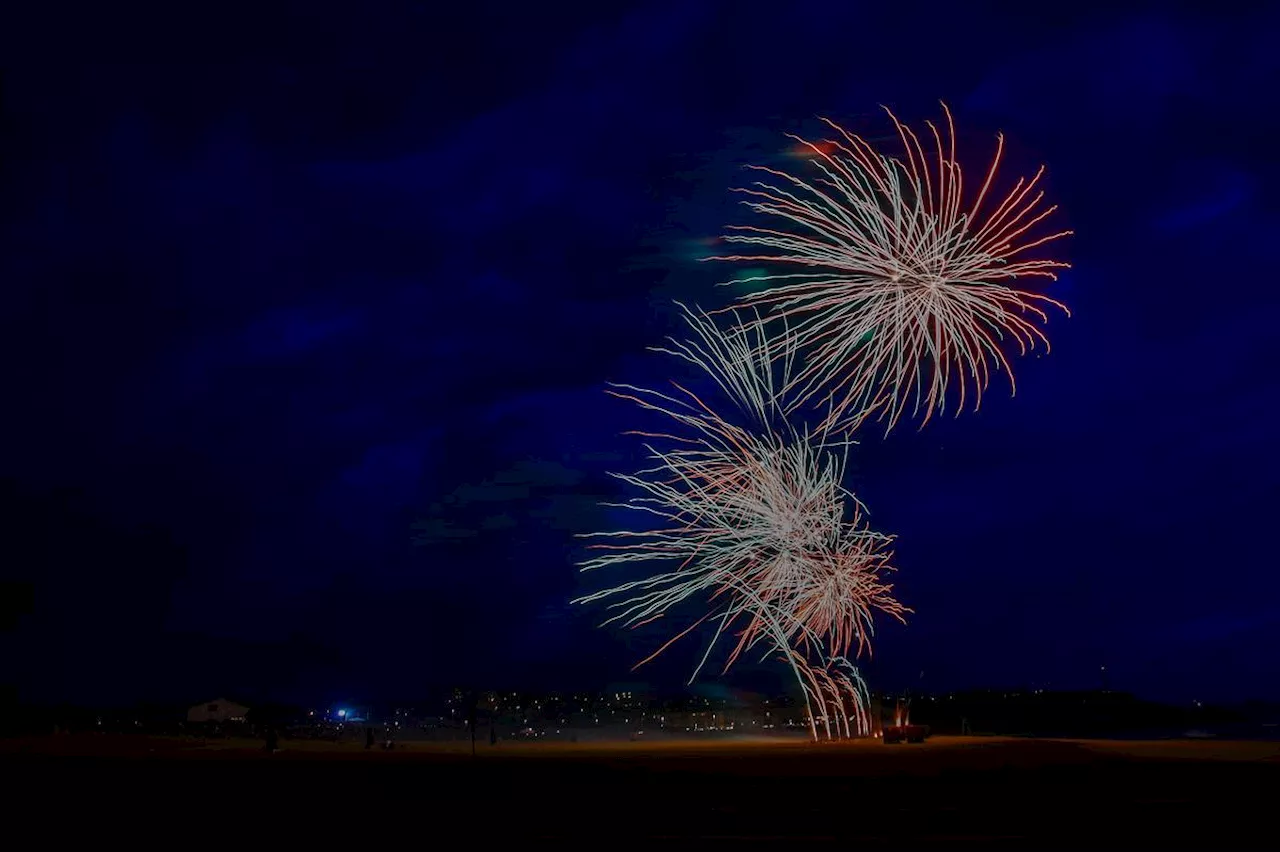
428, 698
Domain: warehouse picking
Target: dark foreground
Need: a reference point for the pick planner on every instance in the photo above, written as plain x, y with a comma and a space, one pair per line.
946, 793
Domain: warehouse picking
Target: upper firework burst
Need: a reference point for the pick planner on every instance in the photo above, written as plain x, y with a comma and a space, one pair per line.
896, 288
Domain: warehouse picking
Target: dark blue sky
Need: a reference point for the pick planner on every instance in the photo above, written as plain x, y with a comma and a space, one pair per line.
279, 284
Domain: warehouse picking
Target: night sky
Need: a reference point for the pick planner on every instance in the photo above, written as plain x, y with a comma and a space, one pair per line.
308, 313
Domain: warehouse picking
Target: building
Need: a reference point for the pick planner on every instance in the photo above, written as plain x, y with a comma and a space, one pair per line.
218, 710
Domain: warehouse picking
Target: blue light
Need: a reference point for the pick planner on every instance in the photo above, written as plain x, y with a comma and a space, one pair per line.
342, 712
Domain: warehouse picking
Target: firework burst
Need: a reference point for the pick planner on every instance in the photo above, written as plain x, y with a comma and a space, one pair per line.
897, 289
753, 517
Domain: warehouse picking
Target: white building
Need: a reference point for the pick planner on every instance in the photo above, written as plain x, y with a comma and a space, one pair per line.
218, 710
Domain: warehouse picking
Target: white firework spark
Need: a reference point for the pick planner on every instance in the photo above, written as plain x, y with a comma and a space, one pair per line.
897, 293
753, 518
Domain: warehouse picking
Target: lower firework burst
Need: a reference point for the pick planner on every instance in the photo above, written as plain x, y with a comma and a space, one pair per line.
752, 518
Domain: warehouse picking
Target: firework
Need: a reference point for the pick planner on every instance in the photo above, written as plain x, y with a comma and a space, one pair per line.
753, 517
837, 689
895, 286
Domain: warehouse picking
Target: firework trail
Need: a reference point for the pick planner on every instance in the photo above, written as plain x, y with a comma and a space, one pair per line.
753, 518
896, 289
840, 693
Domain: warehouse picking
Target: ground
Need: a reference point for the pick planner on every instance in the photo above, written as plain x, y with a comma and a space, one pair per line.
949, 791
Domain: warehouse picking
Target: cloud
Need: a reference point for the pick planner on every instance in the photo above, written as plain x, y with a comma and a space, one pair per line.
516, 483
568, 512
293, 332
1129, 72
1218, 190
501, 521
540, 490
1221, 626
390, 470
432, 530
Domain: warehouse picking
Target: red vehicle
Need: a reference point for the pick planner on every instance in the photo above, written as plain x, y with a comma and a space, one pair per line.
905, 734
902, 731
